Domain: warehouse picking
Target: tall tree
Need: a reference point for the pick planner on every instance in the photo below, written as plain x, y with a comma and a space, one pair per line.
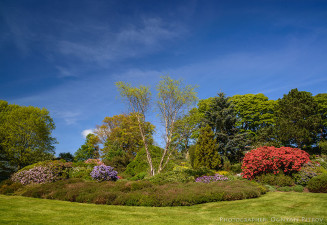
321, 100
173, 99
138, 100
66, 156
255, 115
221, 117
186, 130
25, 134
89, 150
123, 131
297, 119
206, 150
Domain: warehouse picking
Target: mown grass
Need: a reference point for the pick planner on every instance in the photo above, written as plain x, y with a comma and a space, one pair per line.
23, 210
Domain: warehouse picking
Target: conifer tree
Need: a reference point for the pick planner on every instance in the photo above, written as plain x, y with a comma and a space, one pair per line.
206, 152
221, 117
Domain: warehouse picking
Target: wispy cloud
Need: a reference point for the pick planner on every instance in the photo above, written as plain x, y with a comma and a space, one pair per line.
130, 41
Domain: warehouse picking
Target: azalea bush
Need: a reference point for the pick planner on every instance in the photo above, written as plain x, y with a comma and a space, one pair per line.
308, 171
274, 160
44, 172
104, 173
209, 179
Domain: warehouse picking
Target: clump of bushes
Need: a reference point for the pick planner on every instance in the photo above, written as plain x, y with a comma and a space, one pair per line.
104, 173
144, 193
280, 180
308, 171
274, 160
45, 172
318, 184
209, 179
9, 187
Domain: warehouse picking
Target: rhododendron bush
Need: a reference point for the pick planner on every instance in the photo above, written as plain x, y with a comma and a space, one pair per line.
265, 160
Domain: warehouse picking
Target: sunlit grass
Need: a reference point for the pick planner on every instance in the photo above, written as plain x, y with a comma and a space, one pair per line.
23, 210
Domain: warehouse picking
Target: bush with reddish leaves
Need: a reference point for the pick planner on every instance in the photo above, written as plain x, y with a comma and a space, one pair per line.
274, 160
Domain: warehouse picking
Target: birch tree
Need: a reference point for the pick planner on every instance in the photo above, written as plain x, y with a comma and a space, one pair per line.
138, 99
173, 99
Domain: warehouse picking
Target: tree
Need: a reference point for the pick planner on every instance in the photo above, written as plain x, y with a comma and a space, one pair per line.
173, 99
297, 119
66, 156
221, 117
25, 134
255, 115
186, 130
89, 150
321, 100
206, 151
121, 138
254, 112
122, 131
138, 100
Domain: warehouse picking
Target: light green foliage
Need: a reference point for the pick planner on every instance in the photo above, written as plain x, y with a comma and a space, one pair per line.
297, 119
206, 152
121, 139
89, 150
138, 100
187, 130
139, 163
173, 99
25, 134
254, 111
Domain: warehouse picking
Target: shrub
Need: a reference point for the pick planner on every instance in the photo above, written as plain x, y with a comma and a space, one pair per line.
94, 162
199, 172
278, 180
43, 172
298, 188
270, 188
209, 179
308, 171
285, 189
83, 172
10, 188
318, 184
273, 160
175, 176
144, 193
236, 168
140, 164
139, 176
104, 173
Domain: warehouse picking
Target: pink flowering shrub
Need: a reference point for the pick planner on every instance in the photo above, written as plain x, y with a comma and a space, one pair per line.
274, 160
40, 173
96, 162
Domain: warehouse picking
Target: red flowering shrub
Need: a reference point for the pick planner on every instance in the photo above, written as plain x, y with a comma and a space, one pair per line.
265, 160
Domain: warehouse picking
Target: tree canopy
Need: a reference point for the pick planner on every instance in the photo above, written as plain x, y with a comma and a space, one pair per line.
89, 150
25, 134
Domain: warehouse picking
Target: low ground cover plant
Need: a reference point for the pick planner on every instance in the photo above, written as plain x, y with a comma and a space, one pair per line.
143, 193
209, 179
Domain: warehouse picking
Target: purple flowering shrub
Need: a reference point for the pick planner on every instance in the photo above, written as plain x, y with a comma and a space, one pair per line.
104, 173
40, 173
209, 179
308, 171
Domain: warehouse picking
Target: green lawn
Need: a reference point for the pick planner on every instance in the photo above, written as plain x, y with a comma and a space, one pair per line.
272, 206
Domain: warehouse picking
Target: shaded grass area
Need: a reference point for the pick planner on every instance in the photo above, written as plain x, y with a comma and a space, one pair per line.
278, 205
143, 193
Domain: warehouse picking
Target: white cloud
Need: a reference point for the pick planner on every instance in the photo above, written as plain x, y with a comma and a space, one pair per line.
86, 132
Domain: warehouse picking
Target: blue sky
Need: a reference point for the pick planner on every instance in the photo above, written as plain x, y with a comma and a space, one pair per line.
67, 55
